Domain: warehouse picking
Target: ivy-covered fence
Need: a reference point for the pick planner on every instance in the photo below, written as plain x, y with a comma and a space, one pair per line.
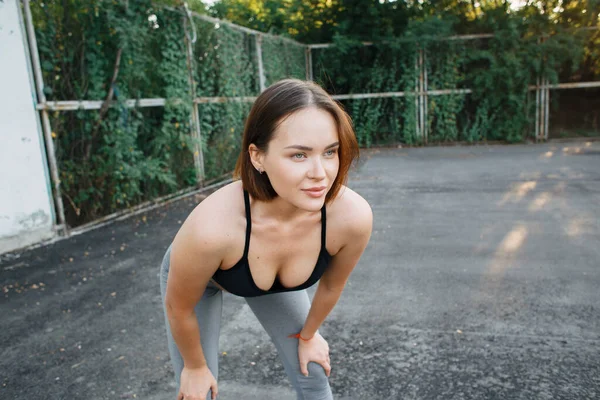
161, 94
432, 87
122, 79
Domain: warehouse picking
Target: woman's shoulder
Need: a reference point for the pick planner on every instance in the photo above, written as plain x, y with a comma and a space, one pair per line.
216, 218
351, 213
223, 199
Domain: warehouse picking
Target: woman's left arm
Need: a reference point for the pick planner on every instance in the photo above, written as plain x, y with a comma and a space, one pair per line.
335, 277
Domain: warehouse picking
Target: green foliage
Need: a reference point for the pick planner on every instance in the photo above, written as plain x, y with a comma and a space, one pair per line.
499, 71
226, 67
282, 59
117, 157
174, 127
305, 20
120, 156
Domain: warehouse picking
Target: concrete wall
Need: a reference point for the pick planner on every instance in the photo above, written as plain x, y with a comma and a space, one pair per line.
26, 211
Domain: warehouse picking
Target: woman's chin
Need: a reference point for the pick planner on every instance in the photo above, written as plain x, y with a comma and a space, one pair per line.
311, 204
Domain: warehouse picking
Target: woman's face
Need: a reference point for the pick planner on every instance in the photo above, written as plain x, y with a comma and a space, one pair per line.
302, 158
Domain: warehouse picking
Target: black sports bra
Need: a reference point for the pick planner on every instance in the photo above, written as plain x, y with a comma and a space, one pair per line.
238, 279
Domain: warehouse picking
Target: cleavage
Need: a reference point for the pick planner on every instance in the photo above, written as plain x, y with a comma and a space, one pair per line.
290, 261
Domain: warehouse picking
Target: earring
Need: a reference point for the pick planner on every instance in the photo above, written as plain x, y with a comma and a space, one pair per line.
260, 171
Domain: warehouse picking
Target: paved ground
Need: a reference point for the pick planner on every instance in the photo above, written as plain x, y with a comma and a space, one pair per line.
481, 281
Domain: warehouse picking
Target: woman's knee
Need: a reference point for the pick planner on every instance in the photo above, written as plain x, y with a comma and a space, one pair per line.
315, 386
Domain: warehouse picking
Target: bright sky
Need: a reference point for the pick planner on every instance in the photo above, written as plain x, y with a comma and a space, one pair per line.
516, 4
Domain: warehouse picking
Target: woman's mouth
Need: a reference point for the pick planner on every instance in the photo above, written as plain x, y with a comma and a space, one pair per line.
315, 192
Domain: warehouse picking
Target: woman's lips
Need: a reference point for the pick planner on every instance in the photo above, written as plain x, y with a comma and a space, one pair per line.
315, 192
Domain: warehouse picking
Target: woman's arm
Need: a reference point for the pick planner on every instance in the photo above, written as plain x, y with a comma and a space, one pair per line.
335, 277
195, 256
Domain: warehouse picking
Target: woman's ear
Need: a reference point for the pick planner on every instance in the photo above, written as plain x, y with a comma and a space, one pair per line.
256, 157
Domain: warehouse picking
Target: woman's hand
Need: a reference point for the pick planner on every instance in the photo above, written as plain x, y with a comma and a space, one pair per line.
195, 384
316, 350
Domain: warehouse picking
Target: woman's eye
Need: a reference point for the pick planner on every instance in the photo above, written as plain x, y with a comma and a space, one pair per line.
298, 156
330, 152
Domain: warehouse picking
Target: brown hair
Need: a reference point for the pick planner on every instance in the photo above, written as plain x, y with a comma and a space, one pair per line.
276, 103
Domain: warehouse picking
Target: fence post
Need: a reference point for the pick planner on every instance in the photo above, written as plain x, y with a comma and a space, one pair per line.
537, 109
46, 127
424, 73
547, 110
422, 125
309, 64
542, 104
417, 96
195, 116
421, 94
542, 109
261, 70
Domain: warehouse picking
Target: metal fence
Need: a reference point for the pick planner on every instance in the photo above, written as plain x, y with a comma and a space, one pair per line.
44, 107
421, 94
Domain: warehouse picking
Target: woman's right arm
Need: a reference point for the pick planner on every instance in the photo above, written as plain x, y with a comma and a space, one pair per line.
196, 254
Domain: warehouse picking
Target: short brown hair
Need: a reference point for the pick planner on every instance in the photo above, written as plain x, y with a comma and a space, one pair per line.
276, 103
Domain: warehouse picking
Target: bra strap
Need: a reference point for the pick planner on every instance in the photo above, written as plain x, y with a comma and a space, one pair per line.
248, 222
323, 227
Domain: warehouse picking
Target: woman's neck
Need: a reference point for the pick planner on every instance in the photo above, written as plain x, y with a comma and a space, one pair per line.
279, 210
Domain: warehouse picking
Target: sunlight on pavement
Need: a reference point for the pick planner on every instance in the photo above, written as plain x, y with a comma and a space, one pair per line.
540, 201
518, 191
505, 253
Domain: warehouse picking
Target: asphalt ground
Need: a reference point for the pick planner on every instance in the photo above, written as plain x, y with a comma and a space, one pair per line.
481, 281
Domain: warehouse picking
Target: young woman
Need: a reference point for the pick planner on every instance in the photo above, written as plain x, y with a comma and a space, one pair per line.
286, 224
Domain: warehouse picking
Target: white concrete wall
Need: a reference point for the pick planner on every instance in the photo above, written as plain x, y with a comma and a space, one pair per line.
26, 212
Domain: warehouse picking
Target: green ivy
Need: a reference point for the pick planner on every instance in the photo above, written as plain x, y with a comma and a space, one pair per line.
121, 156
282, 59
499, 71
226, 67
118, 157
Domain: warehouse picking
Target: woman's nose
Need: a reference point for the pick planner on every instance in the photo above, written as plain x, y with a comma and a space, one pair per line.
317, 171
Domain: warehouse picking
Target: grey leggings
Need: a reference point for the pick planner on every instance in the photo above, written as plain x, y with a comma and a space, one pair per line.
281, 314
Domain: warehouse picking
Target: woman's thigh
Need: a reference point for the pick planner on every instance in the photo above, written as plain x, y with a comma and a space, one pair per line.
208, 312
283, 314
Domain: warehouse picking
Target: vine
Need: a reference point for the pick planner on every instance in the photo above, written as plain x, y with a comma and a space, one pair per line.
110, 51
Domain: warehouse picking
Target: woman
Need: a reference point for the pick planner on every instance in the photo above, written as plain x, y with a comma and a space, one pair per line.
288, 223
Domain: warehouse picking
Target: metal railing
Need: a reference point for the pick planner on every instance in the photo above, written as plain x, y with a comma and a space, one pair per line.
44, 107
421, 93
